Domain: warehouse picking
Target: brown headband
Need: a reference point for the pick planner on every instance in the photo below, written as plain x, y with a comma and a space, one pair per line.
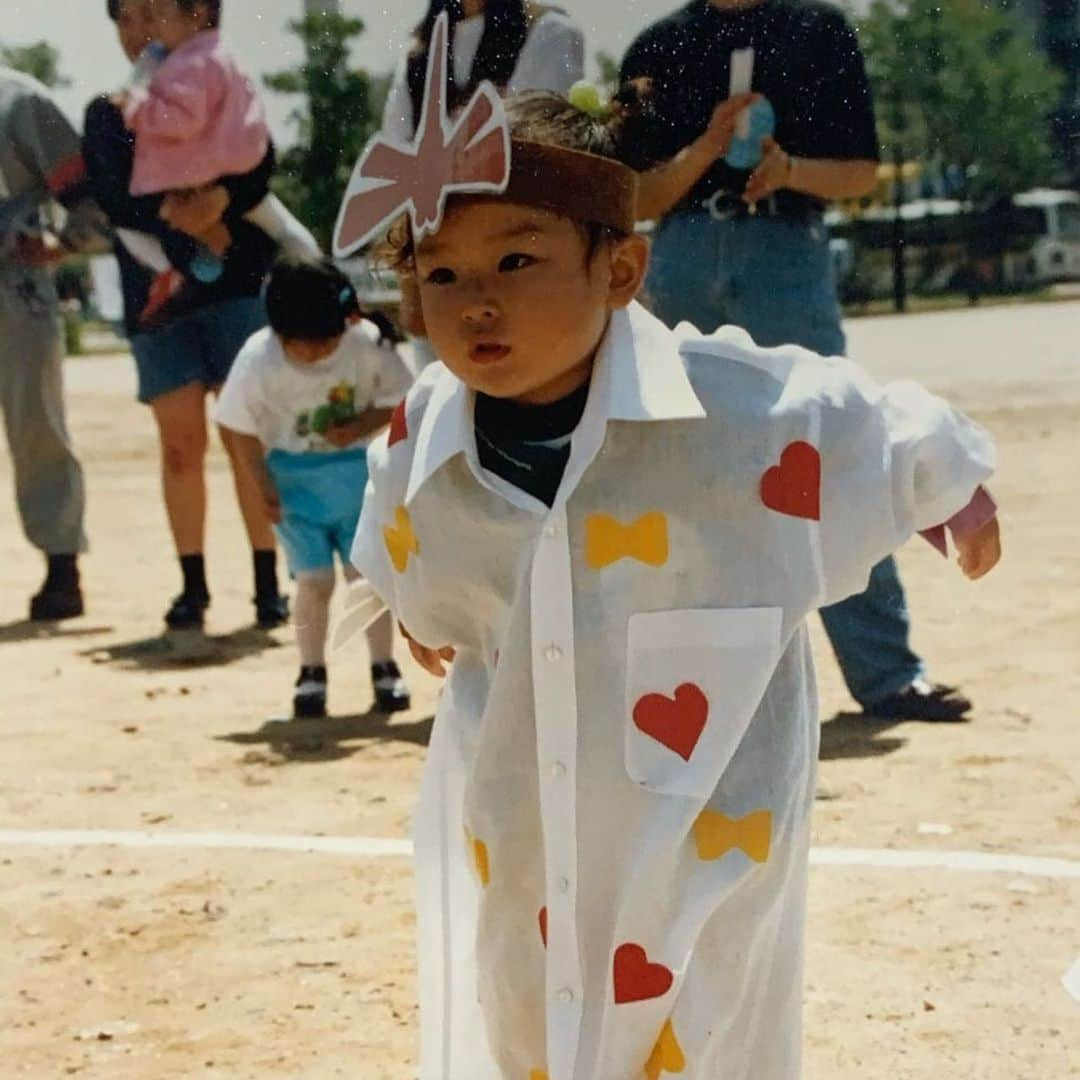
582, 186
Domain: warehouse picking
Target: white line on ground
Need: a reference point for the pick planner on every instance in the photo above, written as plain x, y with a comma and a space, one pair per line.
380, 847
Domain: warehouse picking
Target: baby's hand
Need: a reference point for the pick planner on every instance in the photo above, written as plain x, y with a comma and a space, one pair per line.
979, 552
433, 661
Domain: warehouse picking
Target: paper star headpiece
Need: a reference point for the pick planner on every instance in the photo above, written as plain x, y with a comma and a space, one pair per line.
470, 155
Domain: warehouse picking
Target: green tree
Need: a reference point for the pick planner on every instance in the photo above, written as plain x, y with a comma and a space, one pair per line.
40, 60
340, 111
960, 83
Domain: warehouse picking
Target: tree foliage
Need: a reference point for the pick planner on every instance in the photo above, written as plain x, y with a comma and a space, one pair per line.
339, 112
961, 83
40, 60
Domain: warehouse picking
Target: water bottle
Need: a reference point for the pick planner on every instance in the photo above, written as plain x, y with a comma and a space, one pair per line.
756, 121
150, 59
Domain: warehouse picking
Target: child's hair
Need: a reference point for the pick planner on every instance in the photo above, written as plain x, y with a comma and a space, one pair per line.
213, 9
541, 116
309, 299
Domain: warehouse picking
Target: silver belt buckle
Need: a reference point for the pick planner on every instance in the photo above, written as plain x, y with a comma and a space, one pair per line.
712, 206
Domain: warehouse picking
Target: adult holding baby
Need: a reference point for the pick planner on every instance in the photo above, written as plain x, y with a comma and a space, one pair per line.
741, 237
191, 291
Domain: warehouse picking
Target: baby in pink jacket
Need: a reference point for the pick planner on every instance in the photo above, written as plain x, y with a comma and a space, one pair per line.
197, 118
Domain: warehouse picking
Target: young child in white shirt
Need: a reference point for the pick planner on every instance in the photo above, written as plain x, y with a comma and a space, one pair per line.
305, 397
615, 532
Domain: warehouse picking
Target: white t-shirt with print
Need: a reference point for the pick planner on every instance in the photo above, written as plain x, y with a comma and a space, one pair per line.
290, 406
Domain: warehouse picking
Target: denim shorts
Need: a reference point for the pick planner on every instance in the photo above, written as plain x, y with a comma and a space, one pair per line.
197, 348
321, 498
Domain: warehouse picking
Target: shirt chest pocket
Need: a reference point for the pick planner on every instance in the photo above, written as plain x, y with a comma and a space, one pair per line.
693, 682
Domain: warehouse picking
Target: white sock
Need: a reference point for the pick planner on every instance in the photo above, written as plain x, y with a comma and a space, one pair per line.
146, 248
276, 220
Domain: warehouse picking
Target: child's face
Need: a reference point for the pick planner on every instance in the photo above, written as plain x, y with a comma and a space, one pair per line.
510, 303
134, 27
172, 25
310, 352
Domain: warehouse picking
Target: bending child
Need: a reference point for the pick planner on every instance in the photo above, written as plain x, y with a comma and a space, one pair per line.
304, 398
618, 531
198, 120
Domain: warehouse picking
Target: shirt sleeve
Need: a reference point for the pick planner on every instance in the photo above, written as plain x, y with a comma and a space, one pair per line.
235, 408
894, 461
369, 555
177, 103
839, 120
47, 144
397, 120
553, 57
657, 136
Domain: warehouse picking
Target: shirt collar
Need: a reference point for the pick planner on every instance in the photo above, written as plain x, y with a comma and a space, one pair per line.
638, 376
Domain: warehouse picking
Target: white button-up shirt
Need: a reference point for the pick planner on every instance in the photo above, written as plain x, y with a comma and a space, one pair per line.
612, 835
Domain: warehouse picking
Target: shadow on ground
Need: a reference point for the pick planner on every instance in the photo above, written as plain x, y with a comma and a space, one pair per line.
15, 633
855, 735
334, 738
183, 650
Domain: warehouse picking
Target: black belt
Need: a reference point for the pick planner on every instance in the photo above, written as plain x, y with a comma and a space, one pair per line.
726, 206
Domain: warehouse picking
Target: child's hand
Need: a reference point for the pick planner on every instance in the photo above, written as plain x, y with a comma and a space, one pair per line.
120, 99
433, 661
272, 504
978, 552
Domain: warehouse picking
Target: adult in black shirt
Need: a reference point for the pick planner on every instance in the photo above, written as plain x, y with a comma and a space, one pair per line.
750, 247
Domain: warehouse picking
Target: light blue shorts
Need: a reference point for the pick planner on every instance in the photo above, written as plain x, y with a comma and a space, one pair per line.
321, 498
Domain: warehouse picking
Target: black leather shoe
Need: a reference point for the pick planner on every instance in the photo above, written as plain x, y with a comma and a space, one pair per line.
922, 700
309, 701
53, 605
391, 693
187, 612
271, 611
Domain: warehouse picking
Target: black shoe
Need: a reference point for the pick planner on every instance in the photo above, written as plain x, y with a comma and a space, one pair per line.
53, 604
309, 701
271, 611
391, 693
922, 701
188, 612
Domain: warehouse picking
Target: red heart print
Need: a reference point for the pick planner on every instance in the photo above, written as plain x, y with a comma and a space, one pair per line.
399, 427
794, 486
543, 925
636, 979
675, 723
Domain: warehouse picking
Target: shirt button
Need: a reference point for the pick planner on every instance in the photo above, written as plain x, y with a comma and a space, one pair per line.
553, 653
564, 884
558, 770
551, 531
566, 995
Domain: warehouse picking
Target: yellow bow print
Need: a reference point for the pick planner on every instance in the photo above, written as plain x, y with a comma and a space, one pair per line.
400, 540
608, 540
478, 850
717, 834
667, 1055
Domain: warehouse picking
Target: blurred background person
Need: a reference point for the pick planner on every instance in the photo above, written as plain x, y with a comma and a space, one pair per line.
743, 240
40, 160
188, 351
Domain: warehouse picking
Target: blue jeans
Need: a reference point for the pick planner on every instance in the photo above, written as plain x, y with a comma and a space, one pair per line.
775, 279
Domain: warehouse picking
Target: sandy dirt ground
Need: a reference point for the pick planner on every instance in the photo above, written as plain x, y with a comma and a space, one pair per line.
138, 965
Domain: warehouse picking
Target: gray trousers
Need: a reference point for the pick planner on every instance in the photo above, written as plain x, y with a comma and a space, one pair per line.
48, 479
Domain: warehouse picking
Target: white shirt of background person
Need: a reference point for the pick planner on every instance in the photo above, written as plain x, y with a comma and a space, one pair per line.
552, 58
